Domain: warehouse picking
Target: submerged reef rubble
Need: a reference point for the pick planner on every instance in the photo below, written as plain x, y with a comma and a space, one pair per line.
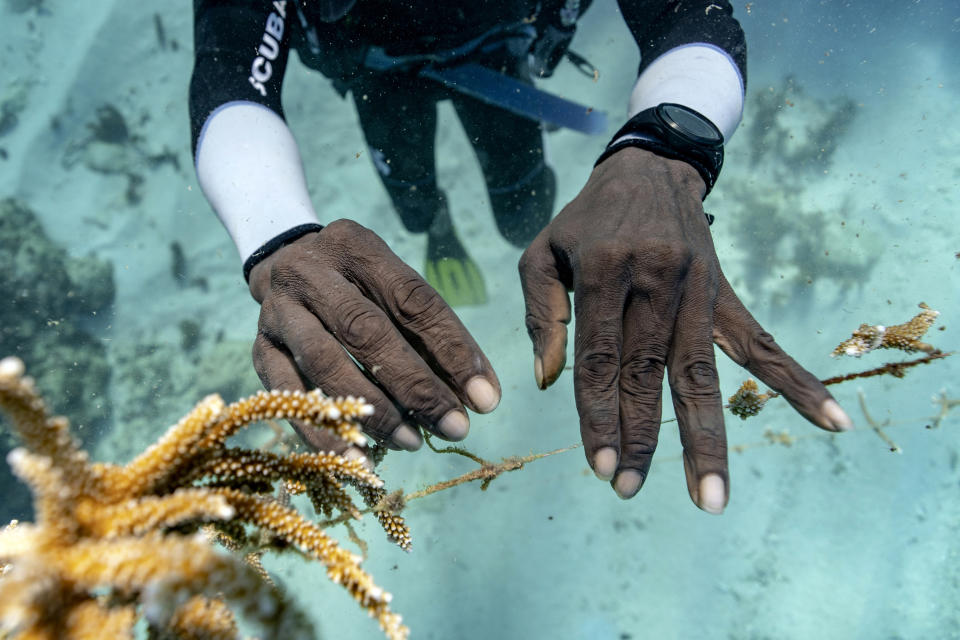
112, 544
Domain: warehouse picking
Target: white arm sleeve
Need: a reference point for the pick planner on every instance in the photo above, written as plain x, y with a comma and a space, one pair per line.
249, 168
700, 76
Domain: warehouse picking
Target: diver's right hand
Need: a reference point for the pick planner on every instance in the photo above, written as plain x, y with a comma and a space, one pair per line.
342, 292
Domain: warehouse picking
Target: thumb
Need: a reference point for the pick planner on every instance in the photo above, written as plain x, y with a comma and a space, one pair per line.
548, 310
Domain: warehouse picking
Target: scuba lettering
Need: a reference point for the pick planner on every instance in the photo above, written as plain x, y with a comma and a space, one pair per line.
261, 69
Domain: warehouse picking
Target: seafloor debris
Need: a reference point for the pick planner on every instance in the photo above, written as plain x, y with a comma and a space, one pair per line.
905, 337
878, 427
115, 543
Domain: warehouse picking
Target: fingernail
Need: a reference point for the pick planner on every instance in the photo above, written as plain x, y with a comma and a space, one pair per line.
454, 425
406, 437
538, 371
713, 494
627, 483
482, 394
605, 463
838, 418
356, 453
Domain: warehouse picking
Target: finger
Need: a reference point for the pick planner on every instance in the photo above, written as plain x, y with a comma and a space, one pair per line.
548, 310
646, 338
694, 385
599, 296
425, 320
370, 337
322, 362
743, 339
277, 371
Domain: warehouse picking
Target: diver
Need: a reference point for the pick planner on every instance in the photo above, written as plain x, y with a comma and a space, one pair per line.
340, 311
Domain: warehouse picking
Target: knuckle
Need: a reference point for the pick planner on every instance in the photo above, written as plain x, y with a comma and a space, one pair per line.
702, 270
763, 352
381, 425
261, 345
598, 366
289, 280
526, 262
418, 305
345, 232
608, 251
640, 443
269, 317
668, 254
363, 327
309, 356
640, 378
696, 378
763, 345
418, 396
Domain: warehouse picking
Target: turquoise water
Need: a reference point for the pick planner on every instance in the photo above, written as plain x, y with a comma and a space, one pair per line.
833, 537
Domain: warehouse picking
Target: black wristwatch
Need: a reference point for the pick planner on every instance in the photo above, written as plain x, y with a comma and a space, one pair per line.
677, 132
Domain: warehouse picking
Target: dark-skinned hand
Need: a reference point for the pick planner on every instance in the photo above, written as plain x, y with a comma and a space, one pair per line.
635, 249
340, 311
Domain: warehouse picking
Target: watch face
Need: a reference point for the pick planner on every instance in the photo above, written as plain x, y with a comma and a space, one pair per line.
691, 125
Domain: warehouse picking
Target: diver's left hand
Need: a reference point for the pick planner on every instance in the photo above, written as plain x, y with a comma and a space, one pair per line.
635, 248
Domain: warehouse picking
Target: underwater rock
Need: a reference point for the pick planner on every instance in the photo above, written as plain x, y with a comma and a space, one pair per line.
111, 146
796, 131
12, 104
49, 298
23, 6
767, 204
110, 126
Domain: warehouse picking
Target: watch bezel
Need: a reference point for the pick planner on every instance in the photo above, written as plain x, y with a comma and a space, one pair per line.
662, 113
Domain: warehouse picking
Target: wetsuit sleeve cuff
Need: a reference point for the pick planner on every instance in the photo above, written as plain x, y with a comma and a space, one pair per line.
700, 76
249, 168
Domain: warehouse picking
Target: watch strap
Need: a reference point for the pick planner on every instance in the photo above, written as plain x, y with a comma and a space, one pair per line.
645, 131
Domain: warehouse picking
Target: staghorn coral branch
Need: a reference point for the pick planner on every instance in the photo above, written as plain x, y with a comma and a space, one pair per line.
93, 620
327, 494
343, 567
53, 495
263, 466
341, 415
42, 434
905, 337
111, 543
165, 457
151, 513
388, 508
202, 618
168, 569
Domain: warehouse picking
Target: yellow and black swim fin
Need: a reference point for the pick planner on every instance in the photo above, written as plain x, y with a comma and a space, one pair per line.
452, 272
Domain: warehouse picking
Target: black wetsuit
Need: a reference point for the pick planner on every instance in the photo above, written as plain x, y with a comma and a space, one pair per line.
241, 49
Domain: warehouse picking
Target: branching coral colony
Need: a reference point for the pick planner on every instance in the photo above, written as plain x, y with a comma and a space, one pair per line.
112, 544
